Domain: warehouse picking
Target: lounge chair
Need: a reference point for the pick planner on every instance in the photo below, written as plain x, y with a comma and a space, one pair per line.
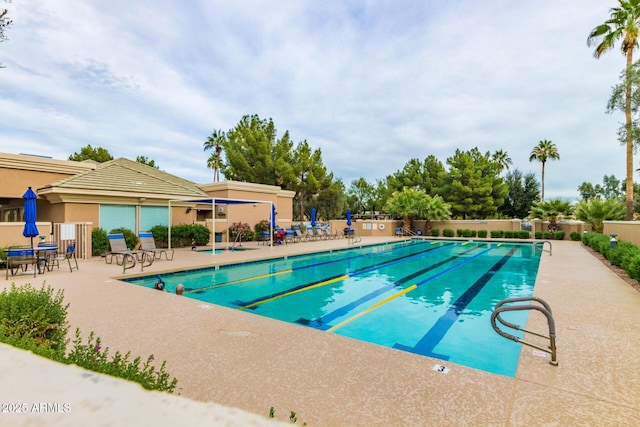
264, 238
148, 244
68, 255
300, 235
19, 258
290, 236
123, 254
317, 234
324, 232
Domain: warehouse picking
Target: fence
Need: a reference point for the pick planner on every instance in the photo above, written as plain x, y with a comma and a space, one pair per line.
63, 233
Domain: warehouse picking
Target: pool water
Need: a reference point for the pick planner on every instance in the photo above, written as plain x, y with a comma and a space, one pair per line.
429, 297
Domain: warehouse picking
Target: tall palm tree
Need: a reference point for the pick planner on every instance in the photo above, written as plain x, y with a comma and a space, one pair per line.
545, 150
215, 141
623, 24
502, 158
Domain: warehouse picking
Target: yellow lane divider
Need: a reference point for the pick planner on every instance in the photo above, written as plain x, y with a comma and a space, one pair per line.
306, 288
373, 307
262, 276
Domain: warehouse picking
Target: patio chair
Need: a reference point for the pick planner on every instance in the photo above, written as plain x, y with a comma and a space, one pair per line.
317, 233
19, 258
68, 255
300, 235
264, 237
119, 250
148, 244
290, 236
324, 232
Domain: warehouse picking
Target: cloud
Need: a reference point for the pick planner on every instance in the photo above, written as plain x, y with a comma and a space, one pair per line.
372, 84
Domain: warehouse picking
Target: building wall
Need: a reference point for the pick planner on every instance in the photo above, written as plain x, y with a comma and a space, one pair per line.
11, 233
249, 213
628, 231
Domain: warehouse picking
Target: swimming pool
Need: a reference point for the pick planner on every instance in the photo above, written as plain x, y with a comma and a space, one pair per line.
429, 297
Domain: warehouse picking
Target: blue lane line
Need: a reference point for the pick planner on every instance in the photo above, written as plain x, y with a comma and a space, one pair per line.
323, 323
261, 276
352, 274
359, 256
437, 332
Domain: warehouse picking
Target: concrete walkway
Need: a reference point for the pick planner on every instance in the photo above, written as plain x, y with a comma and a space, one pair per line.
244, 361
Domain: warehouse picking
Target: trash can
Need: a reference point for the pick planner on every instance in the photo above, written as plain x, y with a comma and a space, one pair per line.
218, 237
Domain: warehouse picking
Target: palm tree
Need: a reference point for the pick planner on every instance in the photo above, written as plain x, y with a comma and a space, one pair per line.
550, 211
215, 142
595, 212
405, 204
624, 24
545, 150
502, 158
411, 203
434, 209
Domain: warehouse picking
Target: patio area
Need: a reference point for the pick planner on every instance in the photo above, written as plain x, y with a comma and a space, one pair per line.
239, 360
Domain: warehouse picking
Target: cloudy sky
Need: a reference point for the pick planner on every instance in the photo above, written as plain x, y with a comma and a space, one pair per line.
371, 83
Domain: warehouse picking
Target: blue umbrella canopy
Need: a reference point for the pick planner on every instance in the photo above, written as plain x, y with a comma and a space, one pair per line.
349, 217
273, 216
313, 217
30, 229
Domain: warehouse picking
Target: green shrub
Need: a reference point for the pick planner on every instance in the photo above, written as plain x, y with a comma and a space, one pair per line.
95, 358
559, 235
241, 228
129, 236
459, 232
497, 234
538, 235
524, 234
447, 232
482, 234
160, 235
184, 235
262, 227
435, 232
623, 252
466, 233
99, 242
546, 235
575, 236
508, 234
633, 267
34, 319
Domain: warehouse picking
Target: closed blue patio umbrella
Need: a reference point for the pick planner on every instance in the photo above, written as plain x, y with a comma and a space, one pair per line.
273, 216
313, 217
349, 217
30, 228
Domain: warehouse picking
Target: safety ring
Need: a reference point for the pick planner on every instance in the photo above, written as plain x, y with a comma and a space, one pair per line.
381, 226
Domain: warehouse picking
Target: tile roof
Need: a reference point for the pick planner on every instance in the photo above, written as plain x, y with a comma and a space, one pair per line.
126, 175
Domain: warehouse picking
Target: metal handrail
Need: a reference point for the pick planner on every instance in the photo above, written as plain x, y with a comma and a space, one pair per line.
238, 238
353, 239
545, 309
550, 246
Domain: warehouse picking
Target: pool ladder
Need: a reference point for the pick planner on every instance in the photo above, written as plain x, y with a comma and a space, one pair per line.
353, 239
543, 308
550, 246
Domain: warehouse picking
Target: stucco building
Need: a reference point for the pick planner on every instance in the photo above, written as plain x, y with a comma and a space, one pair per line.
75, 197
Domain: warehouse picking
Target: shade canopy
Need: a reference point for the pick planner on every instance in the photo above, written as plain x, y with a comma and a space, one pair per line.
30, 229
223, 201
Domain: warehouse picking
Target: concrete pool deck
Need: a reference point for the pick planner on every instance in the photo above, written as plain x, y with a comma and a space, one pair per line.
239, 360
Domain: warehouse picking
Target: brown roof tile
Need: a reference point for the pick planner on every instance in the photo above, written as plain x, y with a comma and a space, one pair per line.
126, 175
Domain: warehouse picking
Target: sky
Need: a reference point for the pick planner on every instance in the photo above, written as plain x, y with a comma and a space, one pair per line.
372, 84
